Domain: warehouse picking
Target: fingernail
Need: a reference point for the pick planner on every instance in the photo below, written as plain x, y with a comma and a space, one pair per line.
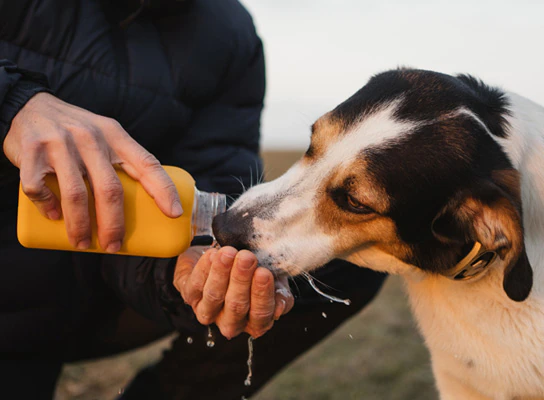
113, 247
83, 244
177, 210
53, 214
262, 279
245, 260
227, 255
280, 310
213, 255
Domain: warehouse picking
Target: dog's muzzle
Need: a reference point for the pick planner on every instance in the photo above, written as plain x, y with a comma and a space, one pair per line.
233, 229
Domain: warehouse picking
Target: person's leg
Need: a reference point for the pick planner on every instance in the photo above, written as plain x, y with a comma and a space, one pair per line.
196, 371
28, 379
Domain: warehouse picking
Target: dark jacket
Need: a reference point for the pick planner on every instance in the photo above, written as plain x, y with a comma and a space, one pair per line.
186, 81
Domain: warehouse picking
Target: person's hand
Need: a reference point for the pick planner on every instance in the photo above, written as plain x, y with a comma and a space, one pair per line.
49, 136
226, 287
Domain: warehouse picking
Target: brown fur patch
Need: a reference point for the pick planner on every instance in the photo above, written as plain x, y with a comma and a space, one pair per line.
508, 180
352, 231
324, 131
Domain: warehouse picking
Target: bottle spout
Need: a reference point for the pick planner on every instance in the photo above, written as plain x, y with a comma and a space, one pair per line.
206, 206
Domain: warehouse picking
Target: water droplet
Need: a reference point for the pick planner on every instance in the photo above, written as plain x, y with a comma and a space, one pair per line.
189, 340
211, 342
121, 391
305, 329
347, 302
324, 315
351, 336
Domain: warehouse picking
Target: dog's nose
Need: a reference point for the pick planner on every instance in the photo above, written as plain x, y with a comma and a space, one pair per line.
230, 229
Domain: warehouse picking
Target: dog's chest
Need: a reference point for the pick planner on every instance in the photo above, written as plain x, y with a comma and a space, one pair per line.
489, 344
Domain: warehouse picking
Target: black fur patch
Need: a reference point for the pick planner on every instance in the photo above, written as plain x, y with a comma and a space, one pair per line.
427, 95
423, 169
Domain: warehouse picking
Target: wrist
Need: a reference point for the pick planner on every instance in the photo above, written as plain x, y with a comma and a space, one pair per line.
17, 97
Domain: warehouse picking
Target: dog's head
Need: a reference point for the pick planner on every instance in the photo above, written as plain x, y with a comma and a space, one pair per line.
407, 173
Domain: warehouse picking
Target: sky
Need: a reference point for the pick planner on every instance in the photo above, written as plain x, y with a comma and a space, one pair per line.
319, 52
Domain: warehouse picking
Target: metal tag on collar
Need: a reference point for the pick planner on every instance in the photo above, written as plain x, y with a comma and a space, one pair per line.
473, 264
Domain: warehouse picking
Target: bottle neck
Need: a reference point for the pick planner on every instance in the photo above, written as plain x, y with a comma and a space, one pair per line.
205, 207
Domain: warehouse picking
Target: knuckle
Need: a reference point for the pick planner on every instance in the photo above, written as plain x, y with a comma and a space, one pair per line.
241, 278
238, 307
261, 293
197, 284
33, 146
75, 194
149, 161
61, 136
262, 315
214, 297
36, 191
78, 230
170, 187
83, 129
94, 144
111, 190
111, 123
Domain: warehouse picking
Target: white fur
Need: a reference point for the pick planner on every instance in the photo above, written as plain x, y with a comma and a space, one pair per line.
293, 241
483, 345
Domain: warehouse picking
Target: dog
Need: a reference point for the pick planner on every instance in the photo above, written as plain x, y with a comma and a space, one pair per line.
437, 178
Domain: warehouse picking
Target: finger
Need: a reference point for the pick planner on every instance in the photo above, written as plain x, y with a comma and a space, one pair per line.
261, 314
74, 200
215, 289
185, 264
192, 289
233, 319
108, 198
145, 168
284, 299
34, 187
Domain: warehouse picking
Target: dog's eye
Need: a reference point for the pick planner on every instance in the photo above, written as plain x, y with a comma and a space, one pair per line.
356, 206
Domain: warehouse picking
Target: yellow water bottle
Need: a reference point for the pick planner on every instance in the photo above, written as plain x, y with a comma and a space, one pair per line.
148, 232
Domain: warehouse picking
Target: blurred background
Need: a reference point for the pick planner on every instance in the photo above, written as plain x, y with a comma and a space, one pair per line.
318, 53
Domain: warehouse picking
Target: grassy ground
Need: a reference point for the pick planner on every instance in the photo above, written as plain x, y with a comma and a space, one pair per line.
377, 355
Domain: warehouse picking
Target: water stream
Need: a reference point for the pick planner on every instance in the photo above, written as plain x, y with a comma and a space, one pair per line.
347, 302
247, 382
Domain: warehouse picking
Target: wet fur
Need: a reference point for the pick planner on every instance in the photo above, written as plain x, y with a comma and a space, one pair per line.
432, 163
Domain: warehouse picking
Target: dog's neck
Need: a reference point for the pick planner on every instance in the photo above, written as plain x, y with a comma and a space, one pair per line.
525, 148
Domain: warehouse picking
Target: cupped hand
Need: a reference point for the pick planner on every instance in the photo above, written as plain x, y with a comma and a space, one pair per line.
49, 136
226, 287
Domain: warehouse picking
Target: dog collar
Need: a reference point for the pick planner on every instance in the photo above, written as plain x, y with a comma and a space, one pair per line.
473, 265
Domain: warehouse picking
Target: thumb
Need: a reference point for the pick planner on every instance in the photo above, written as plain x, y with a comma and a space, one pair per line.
185, 264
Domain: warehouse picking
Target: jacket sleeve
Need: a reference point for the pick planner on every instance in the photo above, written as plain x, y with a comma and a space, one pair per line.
17, 86
145, 284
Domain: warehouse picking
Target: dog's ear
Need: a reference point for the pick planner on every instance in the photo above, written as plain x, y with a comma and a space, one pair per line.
486, 214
